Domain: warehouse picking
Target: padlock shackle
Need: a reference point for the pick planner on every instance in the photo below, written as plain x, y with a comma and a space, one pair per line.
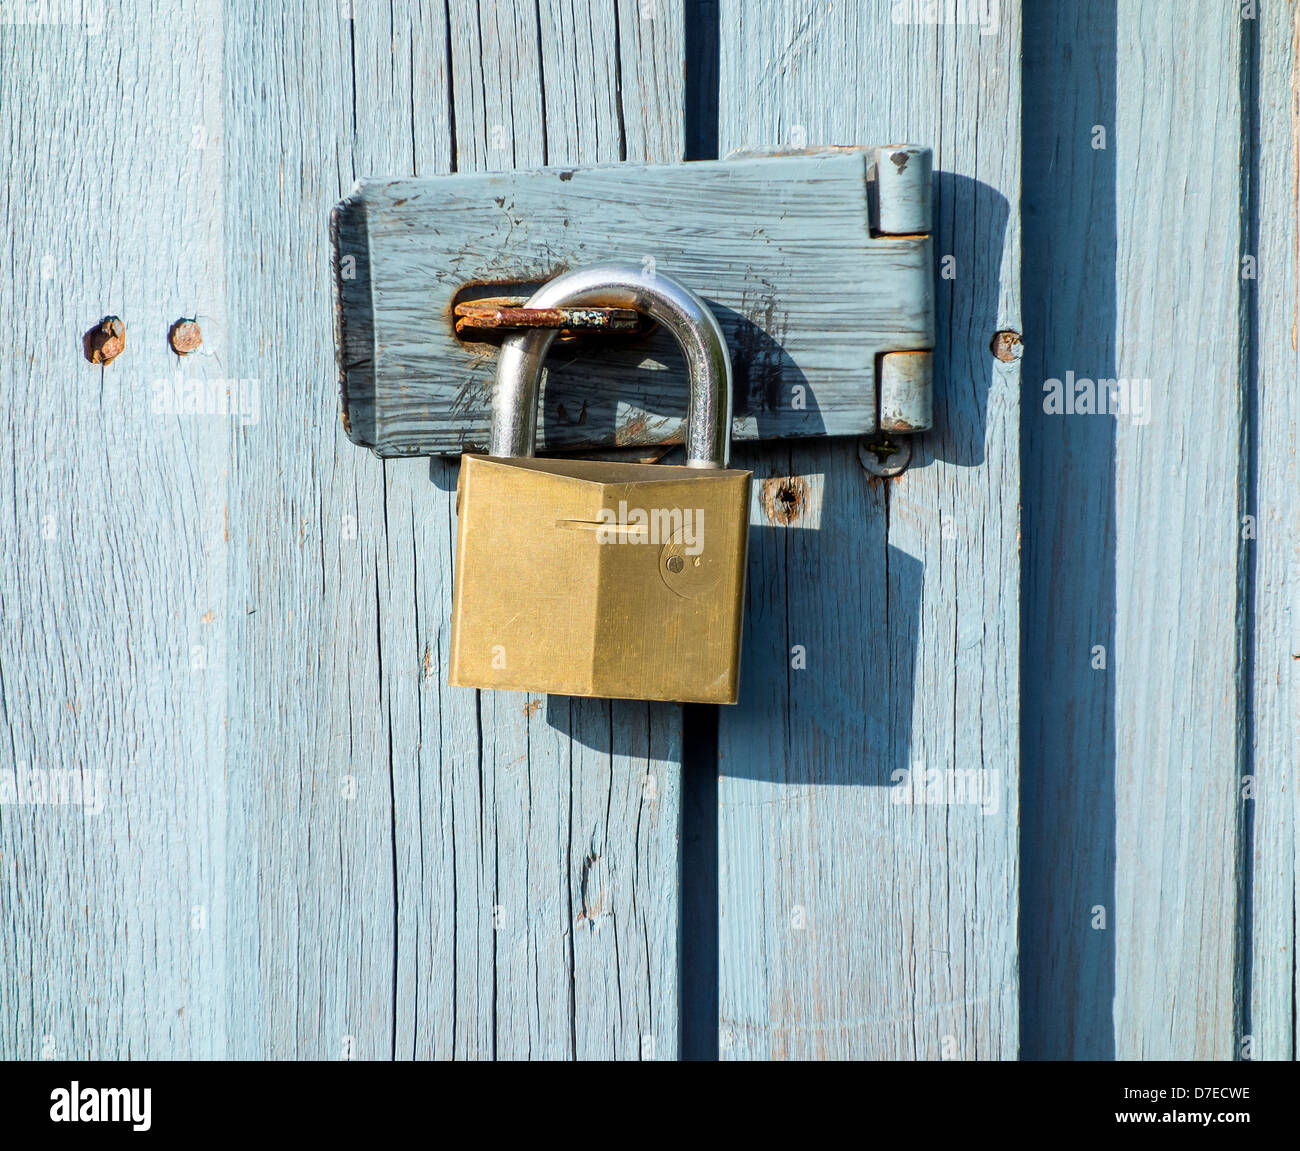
619, 285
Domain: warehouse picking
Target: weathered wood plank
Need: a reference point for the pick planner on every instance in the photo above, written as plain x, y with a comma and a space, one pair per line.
113, 600
782, 248
1150, 696
311, 770
461, 867
1177, 531
1275, 747
883, 617
579, 815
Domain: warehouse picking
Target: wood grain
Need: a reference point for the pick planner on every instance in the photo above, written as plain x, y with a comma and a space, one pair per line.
1177, 533
883, 617
312, 775
1275, 734
113, 586
593, 897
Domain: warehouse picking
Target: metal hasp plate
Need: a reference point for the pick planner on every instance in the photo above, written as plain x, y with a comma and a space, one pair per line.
818, 265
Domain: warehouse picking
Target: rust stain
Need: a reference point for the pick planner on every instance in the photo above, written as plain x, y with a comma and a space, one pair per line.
209, 616
530, 709
877, 481
899, 160
1006, 346
784, 498
184, 336
483, 310
105, 341
506, 312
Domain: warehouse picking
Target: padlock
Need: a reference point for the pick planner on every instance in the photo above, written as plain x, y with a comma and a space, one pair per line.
591, 578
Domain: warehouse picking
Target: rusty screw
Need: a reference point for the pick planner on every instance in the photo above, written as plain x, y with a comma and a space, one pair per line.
886, 455
105, 341
1007, 346
184, 337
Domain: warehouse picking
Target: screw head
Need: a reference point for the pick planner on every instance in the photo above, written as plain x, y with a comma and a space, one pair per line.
105, 341
1007, 346
885, 455
185, 337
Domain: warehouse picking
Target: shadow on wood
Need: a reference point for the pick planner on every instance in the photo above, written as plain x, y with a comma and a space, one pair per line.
1068, 803
967, 290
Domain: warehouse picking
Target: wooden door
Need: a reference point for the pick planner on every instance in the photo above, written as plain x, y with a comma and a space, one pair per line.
293, 840
883, 615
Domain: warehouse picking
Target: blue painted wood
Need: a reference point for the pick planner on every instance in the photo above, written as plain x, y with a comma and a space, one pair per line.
1159, 901
1177, 536
883, 625
504, 881
309, 846
114, 585
1273, 737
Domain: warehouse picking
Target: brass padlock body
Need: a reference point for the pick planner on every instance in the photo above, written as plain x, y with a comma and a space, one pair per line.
561, 587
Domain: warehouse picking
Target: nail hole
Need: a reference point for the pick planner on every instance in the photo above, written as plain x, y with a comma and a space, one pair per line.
784, 498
